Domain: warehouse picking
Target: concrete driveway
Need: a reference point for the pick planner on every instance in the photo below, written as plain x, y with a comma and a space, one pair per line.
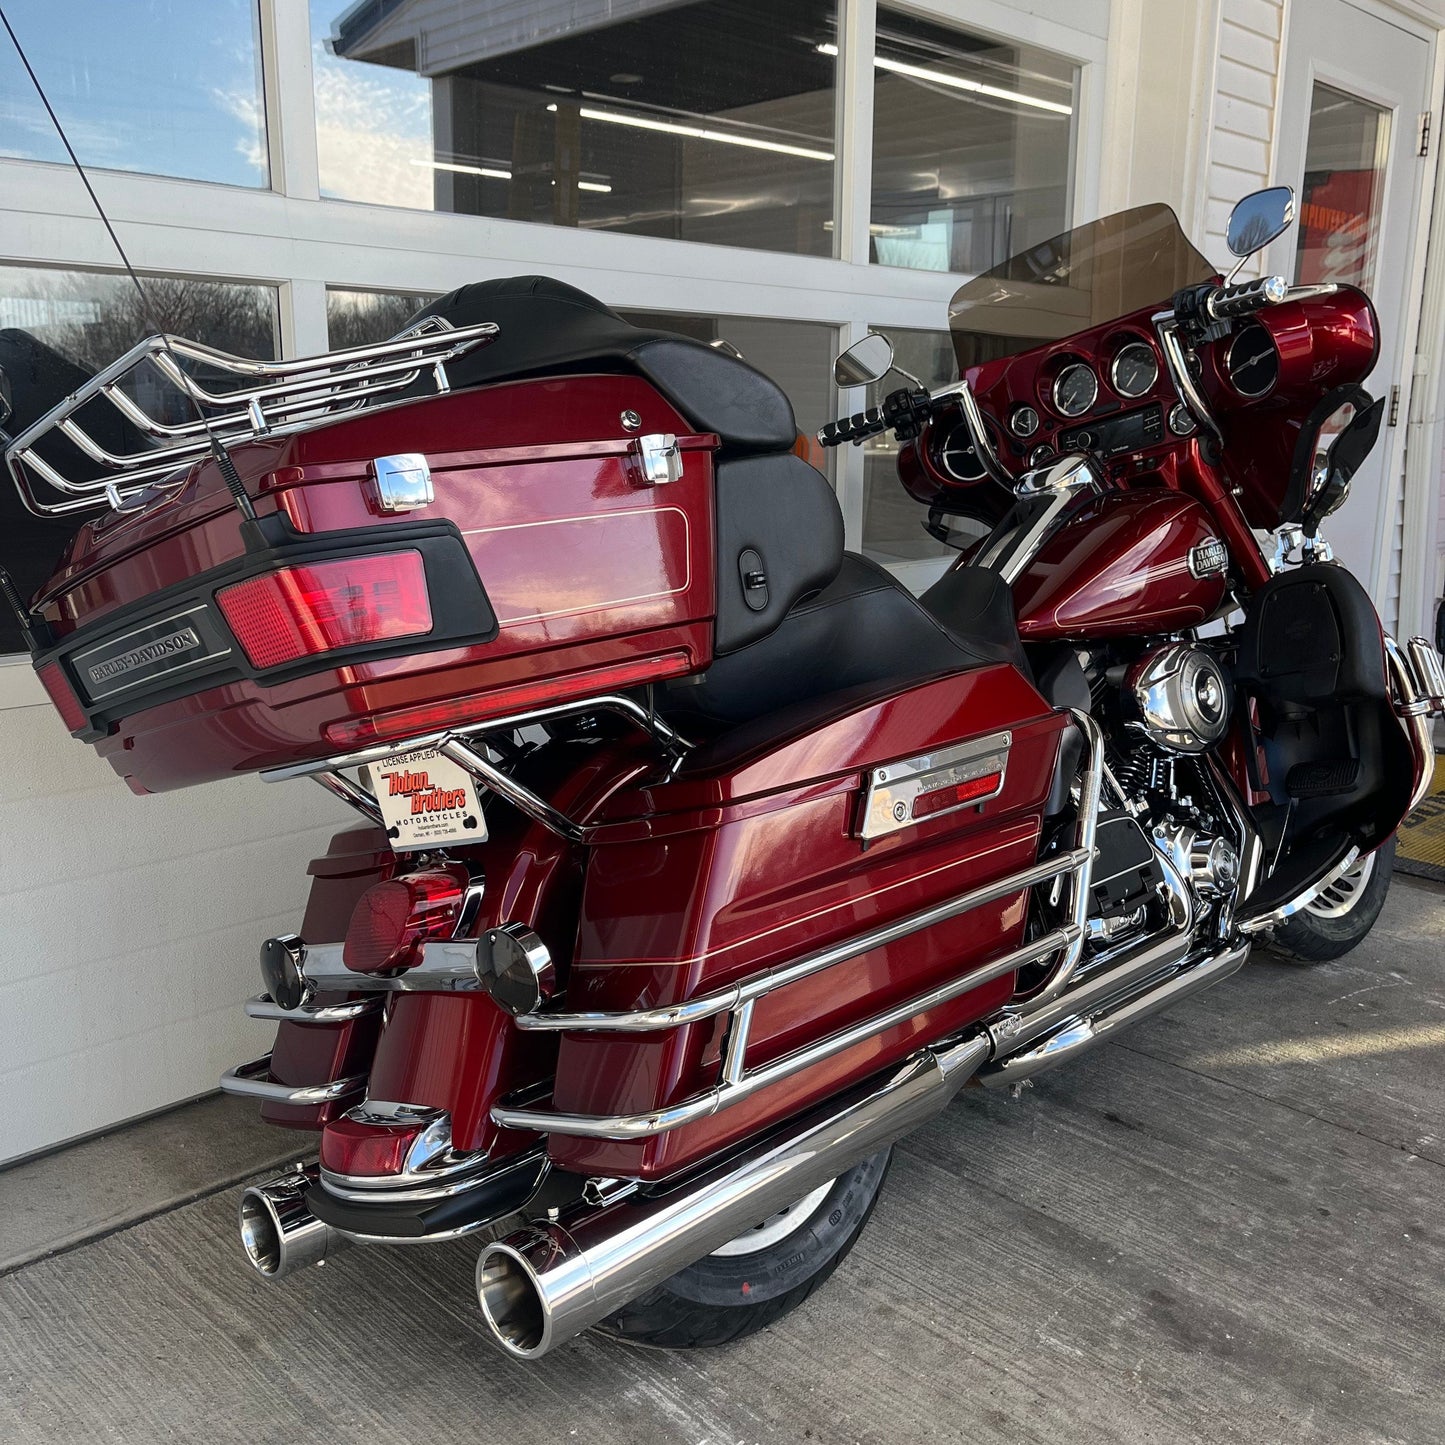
1227, 1227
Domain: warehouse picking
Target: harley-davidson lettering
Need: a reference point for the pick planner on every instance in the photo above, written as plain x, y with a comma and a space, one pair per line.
184, 640
1208, 557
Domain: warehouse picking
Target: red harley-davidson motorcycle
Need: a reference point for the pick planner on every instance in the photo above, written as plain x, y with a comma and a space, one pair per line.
699, 860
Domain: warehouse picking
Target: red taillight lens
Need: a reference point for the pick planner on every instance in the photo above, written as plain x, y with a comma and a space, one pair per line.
391, 918
321, 606
54, 681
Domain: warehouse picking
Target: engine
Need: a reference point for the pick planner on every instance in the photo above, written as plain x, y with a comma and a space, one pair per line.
1168, 851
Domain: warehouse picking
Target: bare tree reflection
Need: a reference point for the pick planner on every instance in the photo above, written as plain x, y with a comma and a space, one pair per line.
361, 318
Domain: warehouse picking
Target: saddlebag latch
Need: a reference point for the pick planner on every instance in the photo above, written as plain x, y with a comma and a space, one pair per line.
658, 458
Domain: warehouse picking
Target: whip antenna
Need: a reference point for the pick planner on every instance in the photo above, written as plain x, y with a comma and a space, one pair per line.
225, 465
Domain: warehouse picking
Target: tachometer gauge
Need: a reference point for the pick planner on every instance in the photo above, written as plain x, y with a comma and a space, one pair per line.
958, 455
1024, 422
1076, 390
1134, 370
1251, 362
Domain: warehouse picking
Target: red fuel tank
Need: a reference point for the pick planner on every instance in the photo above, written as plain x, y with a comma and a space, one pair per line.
1128, 563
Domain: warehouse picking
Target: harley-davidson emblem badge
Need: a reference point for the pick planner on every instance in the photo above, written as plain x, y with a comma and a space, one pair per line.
1208, 558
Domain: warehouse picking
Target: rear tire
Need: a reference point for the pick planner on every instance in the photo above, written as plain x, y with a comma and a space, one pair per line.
760, 1276
1343, 914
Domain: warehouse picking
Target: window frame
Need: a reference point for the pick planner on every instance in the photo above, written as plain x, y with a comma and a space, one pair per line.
290, 238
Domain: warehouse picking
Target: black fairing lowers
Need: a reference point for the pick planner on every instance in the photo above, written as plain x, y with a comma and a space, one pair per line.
547, 326
864, 629
779, 539
1338, 766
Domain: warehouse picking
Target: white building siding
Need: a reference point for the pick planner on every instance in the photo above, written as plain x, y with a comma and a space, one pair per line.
1246, 81
129, 929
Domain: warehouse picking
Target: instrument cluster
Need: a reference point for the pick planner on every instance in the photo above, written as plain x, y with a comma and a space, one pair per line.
1106, 392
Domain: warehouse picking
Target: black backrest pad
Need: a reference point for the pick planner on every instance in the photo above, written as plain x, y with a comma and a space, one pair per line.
1311, 636
779, 539
548, 326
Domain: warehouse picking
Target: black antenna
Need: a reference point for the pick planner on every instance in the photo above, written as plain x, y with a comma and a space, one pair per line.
224, 463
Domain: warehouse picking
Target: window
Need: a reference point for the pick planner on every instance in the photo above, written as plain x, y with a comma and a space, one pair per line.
1346, 155
710, 121
798, 355
59, 327
170, 87
893, 523
362, 318
972, 146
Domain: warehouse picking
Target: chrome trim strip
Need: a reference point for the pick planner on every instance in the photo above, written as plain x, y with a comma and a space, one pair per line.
745, 1083
264, 1007
1044, 494
245, 1081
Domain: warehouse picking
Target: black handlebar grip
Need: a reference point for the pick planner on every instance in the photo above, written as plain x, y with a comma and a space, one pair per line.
853, 428
1248, 296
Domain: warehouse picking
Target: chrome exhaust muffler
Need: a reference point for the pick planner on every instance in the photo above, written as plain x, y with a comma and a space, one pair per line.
1084, 1029
550, 1281
279, 1233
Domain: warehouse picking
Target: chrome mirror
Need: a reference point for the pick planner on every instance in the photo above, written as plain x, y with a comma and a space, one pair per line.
866, 360
1258, 219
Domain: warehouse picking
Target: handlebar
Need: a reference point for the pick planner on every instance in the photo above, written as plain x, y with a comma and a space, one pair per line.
853, 428
1227, 301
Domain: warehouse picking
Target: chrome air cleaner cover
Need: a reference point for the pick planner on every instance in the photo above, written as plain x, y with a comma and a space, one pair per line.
1179, 697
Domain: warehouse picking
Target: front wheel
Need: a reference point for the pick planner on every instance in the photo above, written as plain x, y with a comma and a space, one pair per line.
1342, 915
761, 1275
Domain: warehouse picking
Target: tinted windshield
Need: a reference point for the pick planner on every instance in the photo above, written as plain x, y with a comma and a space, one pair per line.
1080, 279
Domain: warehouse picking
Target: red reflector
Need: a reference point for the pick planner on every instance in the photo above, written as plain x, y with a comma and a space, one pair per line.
350, 1147
391, 918
54, 681
955, 795
320, 606
408, 722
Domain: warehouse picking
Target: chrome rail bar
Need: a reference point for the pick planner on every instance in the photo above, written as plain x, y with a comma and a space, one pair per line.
747, 992
265, 1008
739, 1083
247, 1081
270, 396
1415, 707
456, 743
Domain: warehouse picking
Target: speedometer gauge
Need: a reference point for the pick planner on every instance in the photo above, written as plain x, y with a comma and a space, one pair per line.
1251, 362
1076, 390
1134, 370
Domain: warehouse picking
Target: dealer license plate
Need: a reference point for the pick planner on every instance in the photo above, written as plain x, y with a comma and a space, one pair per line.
427, 801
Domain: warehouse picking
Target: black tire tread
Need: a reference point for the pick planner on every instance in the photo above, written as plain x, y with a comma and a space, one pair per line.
663, 1320
1301, 941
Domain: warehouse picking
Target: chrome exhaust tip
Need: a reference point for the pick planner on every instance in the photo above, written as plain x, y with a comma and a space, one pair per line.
551, 1280
513, 1301
279, 1233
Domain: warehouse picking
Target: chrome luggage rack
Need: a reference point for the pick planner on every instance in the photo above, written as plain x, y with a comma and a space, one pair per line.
254, 399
